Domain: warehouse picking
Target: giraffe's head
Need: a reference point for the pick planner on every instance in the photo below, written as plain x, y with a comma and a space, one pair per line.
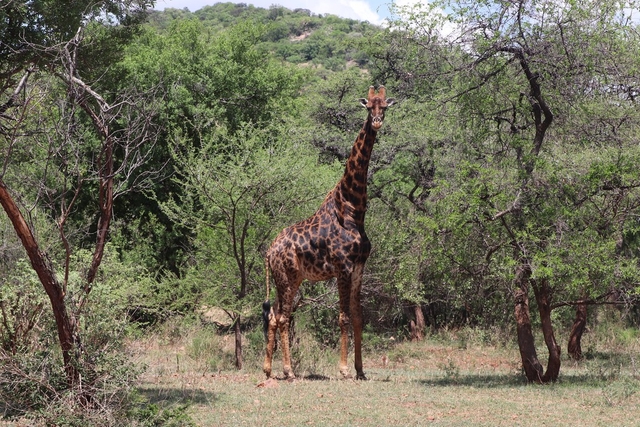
377, 104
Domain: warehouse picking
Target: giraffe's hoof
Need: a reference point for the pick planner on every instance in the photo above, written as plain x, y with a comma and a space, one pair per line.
361, 376
346, 375
267, 372
288, 374
344, 371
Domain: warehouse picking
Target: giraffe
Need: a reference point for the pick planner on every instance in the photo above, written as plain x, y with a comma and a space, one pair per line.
330, 243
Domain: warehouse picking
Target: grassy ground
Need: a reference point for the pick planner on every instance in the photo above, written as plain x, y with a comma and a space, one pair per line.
445, 380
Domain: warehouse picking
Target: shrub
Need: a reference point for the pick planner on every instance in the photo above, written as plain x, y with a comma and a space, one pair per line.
33, 383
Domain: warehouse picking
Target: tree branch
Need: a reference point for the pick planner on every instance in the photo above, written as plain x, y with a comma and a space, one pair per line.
13, 99
599, 300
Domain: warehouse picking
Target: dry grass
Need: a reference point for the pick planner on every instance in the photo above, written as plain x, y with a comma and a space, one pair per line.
438, 381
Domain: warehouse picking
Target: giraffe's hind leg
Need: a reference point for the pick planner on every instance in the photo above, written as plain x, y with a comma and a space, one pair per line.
286, 287
286, 295
283, 325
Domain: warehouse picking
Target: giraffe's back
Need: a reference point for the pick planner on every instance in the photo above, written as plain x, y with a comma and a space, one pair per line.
318, 248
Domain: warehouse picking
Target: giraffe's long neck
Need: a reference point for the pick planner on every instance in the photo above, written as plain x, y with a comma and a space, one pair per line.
352, 188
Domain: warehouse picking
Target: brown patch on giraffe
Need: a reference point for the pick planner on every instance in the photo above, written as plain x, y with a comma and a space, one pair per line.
330, 243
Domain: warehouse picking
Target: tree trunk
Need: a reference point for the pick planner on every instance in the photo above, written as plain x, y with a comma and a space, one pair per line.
574, 349
543, 117
238, 336
417, 326
65, 323
543, 298
530, 363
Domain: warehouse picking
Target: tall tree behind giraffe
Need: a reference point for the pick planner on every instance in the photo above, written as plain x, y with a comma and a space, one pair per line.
330, 243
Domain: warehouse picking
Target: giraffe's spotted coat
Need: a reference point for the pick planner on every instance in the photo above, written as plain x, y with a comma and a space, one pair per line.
330, 243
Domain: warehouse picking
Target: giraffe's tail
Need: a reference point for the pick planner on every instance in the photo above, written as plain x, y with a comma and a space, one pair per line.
266, 305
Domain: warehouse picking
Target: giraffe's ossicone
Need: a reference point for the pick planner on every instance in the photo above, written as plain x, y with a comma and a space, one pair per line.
330, 243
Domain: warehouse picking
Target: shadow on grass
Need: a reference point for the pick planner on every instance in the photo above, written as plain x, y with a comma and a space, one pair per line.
178, 396
316, 377
606, 356
478, 381
498, 381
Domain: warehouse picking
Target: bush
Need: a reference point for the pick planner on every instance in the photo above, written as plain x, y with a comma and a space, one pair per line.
207, 348
22, 303
33, 383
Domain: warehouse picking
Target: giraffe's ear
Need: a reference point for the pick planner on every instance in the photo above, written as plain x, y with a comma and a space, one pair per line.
390, 101
364, 102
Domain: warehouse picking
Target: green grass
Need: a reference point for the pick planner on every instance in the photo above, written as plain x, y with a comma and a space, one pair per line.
435, 382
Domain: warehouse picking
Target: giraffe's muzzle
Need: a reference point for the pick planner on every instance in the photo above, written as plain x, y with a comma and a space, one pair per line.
376, 122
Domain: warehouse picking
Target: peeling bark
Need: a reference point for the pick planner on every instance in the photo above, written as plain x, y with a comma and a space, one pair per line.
417, 326
542, 292
573, 348
532, 368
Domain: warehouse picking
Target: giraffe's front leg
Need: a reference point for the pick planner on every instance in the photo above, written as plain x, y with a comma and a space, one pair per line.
271, 340
344, 344
343, 320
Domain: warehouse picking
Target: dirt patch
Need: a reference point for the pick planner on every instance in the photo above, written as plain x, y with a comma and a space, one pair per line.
214, 315
300, 37
270, 383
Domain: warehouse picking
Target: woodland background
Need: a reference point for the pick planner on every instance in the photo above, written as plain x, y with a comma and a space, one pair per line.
148, 159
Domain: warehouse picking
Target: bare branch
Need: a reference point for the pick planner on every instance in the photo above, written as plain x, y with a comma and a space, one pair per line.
13, 99
599, 300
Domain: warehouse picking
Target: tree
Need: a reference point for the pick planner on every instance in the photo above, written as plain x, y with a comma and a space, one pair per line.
237, 188
209, 78
520, 77
83, 126
212, 79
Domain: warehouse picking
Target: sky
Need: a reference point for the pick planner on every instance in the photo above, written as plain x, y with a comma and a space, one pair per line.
374, 11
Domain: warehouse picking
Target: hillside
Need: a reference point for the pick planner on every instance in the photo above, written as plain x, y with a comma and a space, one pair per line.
297, 36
